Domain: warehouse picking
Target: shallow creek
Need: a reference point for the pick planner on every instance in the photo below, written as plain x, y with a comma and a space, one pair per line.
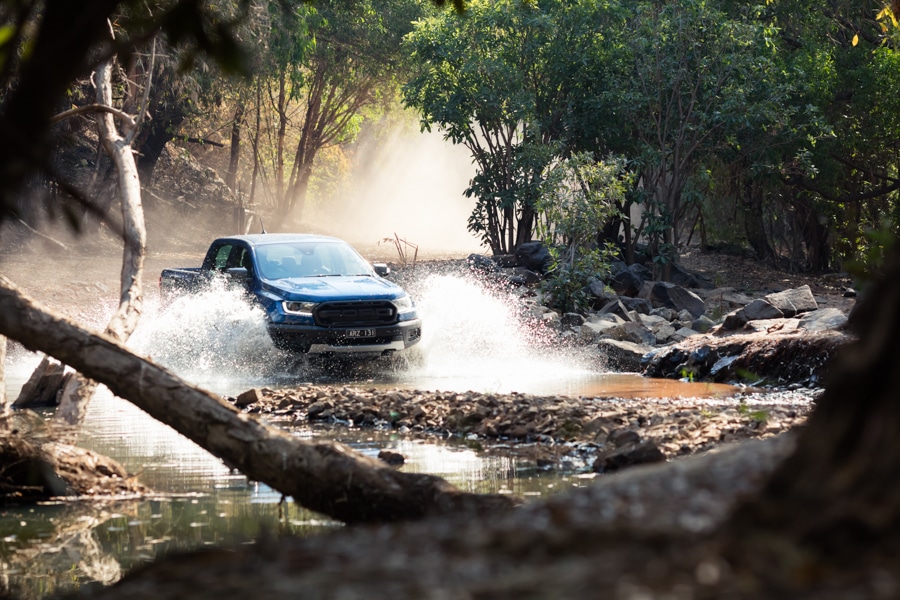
220, 343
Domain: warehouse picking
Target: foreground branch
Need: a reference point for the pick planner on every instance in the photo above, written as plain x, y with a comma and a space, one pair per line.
323, 476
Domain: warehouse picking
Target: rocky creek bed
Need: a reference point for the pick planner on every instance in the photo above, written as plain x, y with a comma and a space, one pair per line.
602, 434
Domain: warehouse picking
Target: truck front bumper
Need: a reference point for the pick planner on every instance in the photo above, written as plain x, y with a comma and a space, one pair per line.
371, 340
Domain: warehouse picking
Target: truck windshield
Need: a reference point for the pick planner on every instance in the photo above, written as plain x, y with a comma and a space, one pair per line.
310, 259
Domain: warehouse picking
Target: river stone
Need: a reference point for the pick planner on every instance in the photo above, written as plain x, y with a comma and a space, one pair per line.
394, 459
822, 319
251, 396
622, 355
626, 456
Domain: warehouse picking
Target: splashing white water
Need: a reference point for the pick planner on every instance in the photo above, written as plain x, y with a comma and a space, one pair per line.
208, 334
474, 339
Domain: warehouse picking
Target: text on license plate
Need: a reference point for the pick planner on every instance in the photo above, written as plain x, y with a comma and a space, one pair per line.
360, 333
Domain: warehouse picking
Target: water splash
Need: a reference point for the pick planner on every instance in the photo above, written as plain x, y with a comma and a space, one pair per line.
210, 334
476, 337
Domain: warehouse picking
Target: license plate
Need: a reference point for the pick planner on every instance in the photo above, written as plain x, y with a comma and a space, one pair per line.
361, 333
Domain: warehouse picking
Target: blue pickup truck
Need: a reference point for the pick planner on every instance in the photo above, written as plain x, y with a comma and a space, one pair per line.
319, 295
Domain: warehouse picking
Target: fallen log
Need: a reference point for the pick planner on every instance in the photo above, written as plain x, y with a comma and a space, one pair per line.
323, 476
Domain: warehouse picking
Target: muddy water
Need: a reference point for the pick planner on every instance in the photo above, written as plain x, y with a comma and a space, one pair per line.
473, 341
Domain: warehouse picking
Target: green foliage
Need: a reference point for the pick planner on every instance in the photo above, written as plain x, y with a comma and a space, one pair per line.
484, 80
578, 196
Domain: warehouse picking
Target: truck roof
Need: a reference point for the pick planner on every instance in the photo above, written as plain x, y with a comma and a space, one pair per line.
258, 239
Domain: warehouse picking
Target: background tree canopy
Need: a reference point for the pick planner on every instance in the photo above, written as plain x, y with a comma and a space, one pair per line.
742, 125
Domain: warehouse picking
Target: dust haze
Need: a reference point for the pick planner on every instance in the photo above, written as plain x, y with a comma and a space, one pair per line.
410, 184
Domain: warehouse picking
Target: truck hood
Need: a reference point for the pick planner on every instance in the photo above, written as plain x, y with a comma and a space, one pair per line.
341, 287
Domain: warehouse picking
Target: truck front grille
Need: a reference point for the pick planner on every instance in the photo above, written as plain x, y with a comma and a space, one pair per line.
355, 314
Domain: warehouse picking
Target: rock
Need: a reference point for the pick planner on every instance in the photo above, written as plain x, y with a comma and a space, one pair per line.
669, 295
638, 305
761, 309
605, 318
652, 321
616, 308
822, 319
666, 313
702, 324
482, 263
602, 292
726, 297
534, 256
249, 397
628, 280
681, 276
394, 459
626, 456
623, 355
735, 320
43, 386
527, 276
632, 332
623, 437
572, 320
682, 334
786, 304
593, 329
773, 325
793, 301
663, 333
850, 293
319, 408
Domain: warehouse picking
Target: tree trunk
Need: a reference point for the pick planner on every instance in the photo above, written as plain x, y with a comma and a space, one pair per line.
77, 392
323, 476
4, 405
231, 176
839, 493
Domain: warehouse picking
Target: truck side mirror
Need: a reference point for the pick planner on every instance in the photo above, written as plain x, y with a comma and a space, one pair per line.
238, 274
381, 269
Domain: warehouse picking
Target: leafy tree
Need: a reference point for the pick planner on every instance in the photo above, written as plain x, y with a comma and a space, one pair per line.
483, 80
691, 82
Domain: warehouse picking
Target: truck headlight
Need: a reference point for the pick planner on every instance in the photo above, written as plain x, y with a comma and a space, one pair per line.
298, 308
403, 304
